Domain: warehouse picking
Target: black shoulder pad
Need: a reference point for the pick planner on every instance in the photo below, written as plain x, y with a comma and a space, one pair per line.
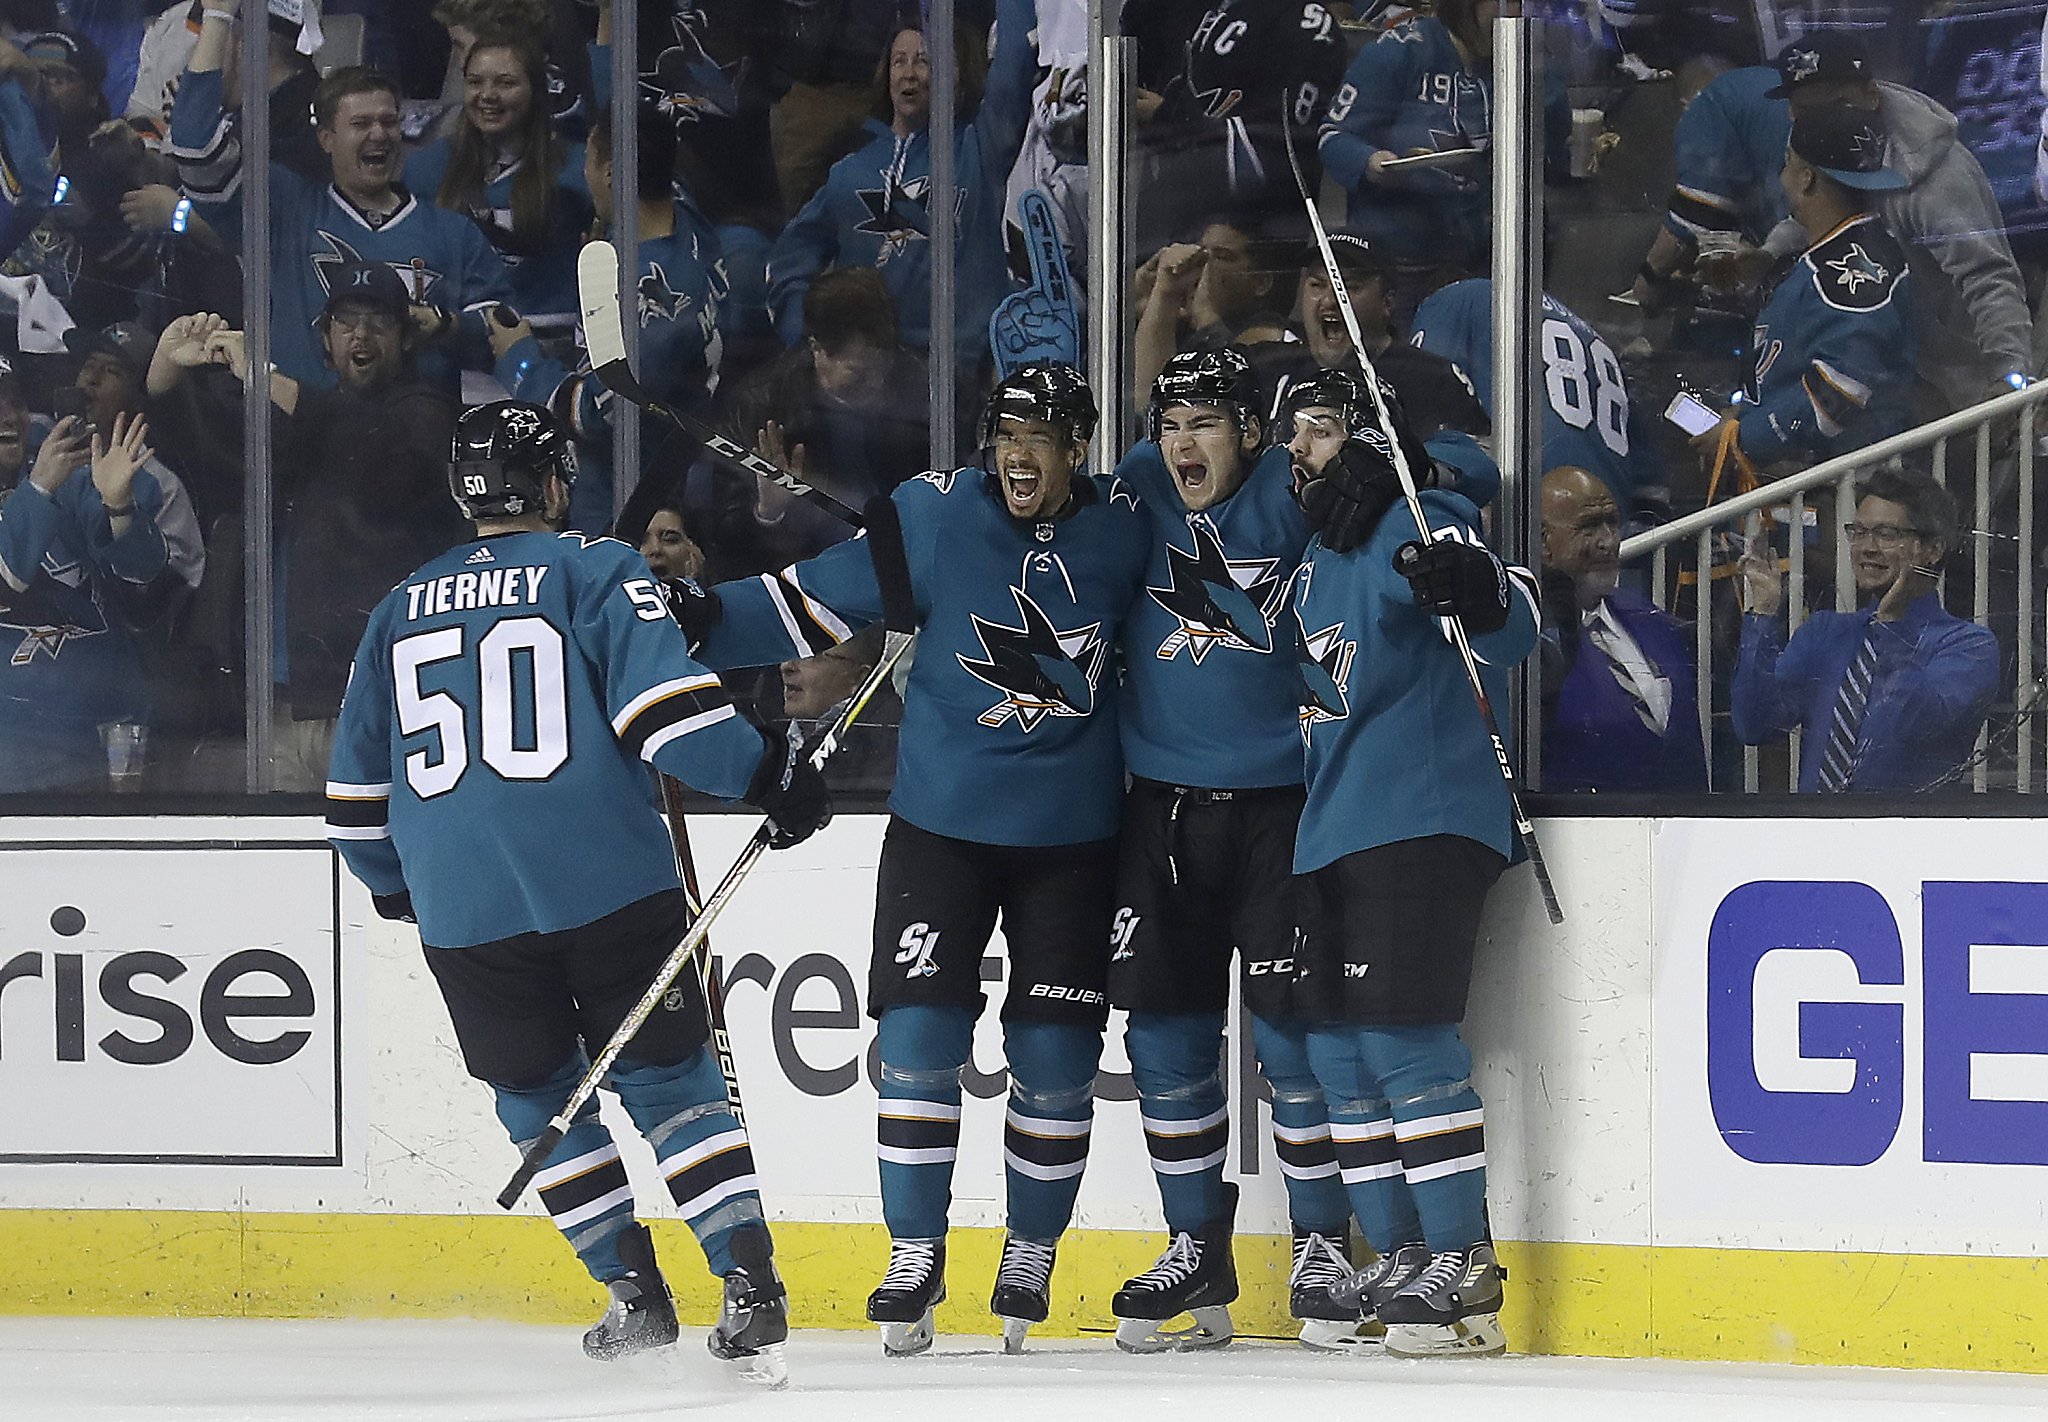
892, 564
1859, 268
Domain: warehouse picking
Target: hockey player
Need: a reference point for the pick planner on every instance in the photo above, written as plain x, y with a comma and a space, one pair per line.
365, 214
1211, 739
1005, 803
487, 783
1406, 826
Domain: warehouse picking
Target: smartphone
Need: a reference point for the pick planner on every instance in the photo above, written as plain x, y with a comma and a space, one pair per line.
1690, 413
70, 400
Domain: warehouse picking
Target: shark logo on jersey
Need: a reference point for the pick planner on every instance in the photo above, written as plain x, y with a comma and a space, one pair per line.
1041, 670
940, 479
45, 624
897, 213
1217, 601
659, 300
685, 83
419, 278
1857, 266
1325, 668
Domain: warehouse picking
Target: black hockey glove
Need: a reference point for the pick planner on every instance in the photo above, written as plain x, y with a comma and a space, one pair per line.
1452, 578
1346, 499
789, 790
396, 907
695, 608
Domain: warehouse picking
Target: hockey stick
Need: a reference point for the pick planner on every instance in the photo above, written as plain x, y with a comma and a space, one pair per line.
1524, 829
679, 957
604, 335
707, 971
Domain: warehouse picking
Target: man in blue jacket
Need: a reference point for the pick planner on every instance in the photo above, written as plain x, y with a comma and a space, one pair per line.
1890, 696
1408, 823
1620, 696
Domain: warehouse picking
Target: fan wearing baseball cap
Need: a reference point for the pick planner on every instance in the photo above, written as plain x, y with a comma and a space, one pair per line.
1971, 312
1834, 342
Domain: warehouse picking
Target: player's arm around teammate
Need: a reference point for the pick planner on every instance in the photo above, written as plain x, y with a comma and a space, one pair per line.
1406, 827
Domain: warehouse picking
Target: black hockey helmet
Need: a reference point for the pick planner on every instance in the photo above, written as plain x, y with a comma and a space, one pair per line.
1219, 377
1049, 390
503, 455
1345, 392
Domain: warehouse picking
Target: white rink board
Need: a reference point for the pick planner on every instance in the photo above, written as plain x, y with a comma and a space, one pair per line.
1585, 1038
1852, 1041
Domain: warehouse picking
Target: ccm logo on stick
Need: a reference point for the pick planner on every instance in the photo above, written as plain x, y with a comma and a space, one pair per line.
1807, 1012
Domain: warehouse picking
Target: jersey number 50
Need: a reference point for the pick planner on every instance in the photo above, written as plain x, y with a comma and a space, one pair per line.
501, 687
1585, 386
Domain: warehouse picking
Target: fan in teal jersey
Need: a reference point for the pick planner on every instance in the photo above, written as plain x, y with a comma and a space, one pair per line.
489, 781
364, 215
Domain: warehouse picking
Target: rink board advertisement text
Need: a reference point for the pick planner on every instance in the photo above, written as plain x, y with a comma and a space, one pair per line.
1851, 1042
1709, 1095
166, 1004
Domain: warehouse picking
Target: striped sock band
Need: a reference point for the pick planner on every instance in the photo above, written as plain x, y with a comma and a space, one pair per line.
1433, 1147
585, 1188
705, 1174
1365, 1150
1306, 1152
1044, 1147
914, 1132
1188, 1147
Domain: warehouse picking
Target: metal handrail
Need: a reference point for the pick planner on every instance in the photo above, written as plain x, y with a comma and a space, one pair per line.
1833, 470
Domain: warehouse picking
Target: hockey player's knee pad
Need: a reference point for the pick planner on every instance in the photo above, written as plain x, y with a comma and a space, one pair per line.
1417, 1064
1176, 1056
1052, 1064
664, 1099
924, 1047
525, 1108
1283, 1061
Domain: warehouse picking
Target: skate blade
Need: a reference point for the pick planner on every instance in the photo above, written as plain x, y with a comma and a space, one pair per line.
1478, 1336
1326, 1335
907, 1340
1210, 1329
767, 1368
1014, 1330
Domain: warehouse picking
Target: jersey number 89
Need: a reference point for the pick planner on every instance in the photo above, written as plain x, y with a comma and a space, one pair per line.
1586, 391
501, 687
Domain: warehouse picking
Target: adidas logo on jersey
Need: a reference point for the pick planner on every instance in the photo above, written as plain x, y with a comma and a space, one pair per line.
482, 555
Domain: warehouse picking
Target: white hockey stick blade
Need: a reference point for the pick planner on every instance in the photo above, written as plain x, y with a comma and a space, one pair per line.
597, 287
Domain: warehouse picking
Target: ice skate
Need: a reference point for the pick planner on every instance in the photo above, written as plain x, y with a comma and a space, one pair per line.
1195, 1276
1374, 1283
753, 1323
1322, 1265
641, 1315
1451, 1307
1023, 1292
913, 1286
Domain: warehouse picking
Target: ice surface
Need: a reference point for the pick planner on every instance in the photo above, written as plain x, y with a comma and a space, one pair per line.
88, 1370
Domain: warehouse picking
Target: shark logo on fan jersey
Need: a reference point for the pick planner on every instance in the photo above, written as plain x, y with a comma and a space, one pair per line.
1040, 669
1325, 668
659, 300
1217, 600
421, 280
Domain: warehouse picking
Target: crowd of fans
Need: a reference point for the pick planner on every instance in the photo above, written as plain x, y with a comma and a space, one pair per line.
1829, 230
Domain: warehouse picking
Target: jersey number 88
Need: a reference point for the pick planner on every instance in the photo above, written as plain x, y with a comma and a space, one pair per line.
1586, 389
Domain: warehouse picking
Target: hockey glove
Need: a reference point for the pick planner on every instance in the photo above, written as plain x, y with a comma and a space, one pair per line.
1345, 500
695, 608
789, 790
1451, 578
396, 907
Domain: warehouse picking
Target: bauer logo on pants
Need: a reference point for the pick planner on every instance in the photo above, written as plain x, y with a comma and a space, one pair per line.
154, 1011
